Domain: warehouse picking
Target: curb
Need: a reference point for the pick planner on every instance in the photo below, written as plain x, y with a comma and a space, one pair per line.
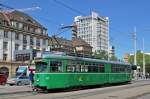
18, 92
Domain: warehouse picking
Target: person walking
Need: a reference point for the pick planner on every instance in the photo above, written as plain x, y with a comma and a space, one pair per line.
31, 77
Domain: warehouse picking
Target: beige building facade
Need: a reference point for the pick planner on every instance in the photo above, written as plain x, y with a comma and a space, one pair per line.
19, 31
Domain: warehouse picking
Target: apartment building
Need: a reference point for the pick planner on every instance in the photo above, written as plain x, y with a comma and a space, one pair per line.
19, 31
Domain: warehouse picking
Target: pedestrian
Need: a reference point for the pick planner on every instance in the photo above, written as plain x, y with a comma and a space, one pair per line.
147, 75
31, 77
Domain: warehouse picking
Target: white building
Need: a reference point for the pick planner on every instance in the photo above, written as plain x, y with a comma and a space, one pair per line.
94, 29
18, 31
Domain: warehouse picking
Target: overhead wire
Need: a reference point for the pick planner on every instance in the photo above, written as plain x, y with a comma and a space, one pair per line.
68, 7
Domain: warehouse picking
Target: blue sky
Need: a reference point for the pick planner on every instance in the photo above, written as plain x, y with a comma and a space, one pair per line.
124, 16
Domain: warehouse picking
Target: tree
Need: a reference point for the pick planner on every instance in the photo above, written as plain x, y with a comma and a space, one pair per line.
101, 54
113, 58
139, 56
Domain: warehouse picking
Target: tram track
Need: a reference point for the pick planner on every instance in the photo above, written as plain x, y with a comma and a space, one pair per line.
72, 95
86, 94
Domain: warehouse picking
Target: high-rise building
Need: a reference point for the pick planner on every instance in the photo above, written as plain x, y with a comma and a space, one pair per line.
94, 29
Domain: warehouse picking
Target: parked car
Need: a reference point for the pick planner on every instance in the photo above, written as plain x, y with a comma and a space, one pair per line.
20, 80
3, 79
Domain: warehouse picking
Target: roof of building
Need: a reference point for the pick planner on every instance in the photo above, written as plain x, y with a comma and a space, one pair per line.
80, 42
61, 41
20, 16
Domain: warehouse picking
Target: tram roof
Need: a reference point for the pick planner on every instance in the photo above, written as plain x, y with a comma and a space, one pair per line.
84, 59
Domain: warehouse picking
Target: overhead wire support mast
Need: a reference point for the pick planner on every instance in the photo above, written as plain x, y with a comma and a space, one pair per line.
143, 60
134, 34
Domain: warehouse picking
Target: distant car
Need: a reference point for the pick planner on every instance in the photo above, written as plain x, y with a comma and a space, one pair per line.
19, 81
3, 79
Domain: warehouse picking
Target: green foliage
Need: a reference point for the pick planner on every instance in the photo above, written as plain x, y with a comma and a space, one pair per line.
139, 57
102, 54
113, 58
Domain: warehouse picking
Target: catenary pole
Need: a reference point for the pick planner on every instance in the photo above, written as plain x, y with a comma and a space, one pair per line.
143, 60
135, 62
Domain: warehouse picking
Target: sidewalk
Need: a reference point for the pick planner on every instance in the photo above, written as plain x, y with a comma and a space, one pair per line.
140, 79
4, 90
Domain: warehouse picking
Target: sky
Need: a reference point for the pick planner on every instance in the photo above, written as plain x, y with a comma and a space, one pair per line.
124, 15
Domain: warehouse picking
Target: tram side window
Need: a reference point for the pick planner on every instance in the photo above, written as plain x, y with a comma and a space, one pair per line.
41, 66
78, 68
118, 68
55, 66
70, 68
114, 68
101, 68
93, 68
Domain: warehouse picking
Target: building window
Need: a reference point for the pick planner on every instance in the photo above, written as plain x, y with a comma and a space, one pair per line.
17, 36
31, 41
38, 42
25, 27
16, 46
38, 30
24, 47
5, 44
24, 39
44, 42
23, 57
44, 32
31, 47
4, 56
17, 25
5, 34
20, 25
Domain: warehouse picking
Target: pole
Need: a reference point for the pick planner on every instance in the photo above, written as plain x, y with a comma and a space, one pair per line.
143, 60
11, 55
135, 63
108, 42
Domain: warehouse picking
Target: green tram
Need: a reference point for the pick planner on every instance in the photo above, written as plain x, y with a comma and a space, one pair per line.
57, 71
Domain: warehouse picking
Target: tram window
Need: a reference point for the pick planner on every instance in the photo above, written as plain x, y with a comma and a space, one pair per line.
41, 66
78, 68
82, 68
92, 69
55, 66
70, 68
86, 68
101, 68
118, 68
113, 68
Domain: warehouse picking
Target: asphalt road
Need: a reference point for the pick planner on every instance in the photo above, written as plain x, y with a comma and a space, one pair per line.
136, 90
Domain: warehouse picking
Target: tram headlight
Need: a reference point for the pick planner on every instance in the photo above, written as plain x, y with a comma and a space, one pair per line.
37, 80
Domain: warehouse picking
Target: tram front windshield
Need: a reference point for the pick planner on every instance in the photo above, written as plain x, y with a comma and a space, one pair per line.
41, 67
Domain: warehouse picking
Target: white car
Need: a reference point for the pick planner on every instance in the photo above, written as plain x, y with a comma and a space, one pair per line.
19, 81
